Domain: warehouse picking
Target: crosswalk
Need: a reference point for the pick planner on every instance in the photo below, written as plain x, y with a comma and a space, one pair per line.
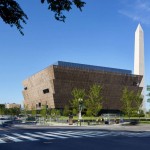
37, 136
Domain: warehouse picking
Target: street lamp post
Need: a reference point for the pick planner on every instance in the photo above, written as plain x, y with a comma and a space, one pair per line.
36, 106
46, 110
80, 109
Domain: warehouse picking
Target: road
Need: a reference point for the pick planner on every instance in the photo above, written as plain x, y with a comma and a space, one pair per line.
73, 139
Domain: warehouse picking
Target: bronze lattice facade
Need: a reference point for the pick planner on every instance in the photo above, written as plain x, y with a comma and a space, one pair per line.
53, 85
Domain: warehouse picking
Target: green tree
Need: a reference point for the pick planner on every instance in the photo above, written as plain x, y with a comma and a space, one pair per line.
2, 109
94, 101
77, 95
74, 111
127, 101
25, 111
11, 12
33, 112
89, 113
55, 113
138, 102
14, 111
66, 111
43, 112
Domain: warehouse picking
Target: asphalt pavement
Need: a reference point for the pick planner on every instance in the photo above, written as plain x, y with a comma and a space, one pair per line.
27, 137
72, 139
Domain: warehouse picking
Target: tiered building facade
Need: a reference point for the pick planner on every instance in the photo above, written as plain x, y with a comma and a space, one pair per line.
53, 85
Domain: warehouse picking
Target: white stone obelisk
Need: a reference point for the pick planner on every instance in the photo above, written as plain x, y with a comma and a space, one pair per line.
139, 59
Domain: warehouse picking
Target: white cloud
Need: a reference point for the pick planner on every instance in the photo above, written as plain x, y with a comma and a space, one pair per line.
137, 10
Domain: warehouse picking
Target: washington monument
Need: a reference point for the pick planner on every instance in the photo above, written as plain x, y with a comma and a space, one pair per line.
139, 59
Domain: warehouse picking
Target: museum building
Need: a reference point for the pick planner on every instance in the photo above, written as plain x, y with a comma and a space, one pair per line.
53, 85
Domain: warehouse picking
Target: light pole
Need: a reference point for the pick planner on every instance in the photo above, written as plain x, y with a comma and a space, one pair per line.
80, 109
46, 111
36, 107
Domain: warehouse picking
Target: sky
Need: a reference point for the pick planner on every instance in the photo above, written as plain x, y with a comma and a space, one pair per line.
102, 34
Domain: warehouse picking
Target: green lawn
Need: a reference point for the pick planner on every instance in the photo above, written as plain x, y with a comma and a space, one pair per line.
83, 117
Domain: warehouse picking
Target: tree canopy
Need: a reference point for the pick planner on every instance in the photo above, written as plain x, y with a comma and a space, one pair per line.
127, 98
11, 12
94, 101
131, 101
77, 95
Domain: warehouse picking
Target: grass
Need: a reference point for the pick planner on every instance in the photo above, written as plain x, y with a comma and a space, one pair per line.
76, 118
94, 118
144, 122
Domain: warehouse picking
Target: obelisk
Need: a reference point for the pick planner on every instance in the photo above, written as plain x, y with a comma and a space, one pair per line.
139, 58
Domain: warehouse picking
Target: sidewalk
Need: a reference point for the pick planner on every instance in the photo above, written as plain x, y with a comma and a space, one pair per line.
117, 127
114, 127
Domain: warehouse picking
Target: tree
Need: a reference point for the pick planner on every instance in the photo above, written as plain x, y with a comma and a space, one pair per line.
55, 114
74, 111
33, 112
12, 14
77, 95
14, 111
138, 101
25, 111
94, 101
127, 100
131, 102
43, 112
66, 111
2, 109
58, 6
89, 113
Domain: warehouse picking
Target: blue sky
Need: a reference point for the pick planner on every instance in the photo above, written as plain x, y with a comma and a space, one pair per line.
103, 34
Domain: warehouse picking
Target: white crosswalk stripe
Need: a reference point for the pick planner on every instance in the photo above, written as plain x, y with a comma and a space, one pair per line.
13, 138
113, 133
84, 134
66, 135
128, 134
147, 134
52, 135
25, 137
88, 134
1, 141
39, 136
98, 134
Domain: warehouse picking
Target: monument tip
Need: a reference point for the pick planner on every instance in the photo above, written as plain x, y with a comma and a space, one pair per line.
139, 27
